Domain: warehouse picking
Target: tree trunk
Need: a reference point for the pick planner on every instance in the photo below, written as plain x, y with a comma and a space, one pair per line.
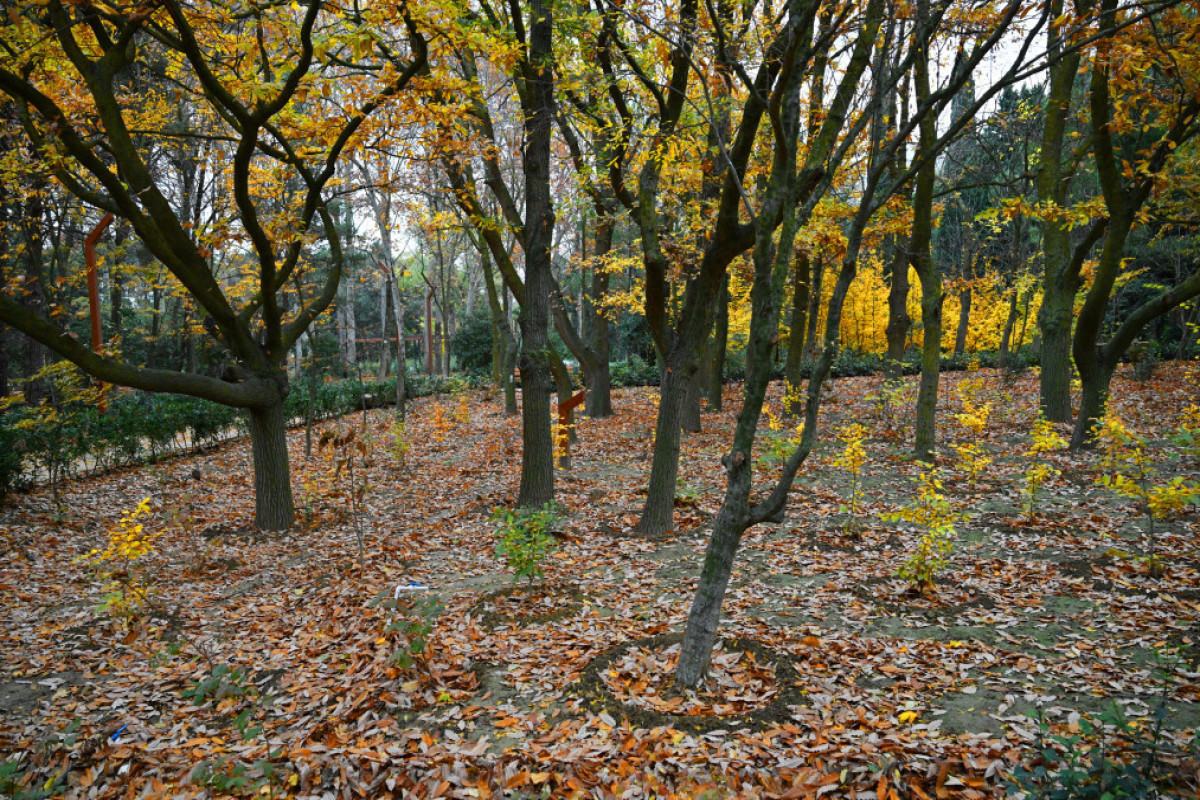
384, 348
715, 364
898, 319
401, 359
537, 457
689, 418
1006, 337
598, 403
1061, 280
273, 509
964, 321
1055, 320
796, 331
814, 310
920, 245
33, 296
664, 469
1093, 398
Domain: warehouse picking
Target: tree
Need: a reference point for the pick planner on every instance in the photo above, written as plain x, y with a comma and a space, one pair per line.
264, 78
1144, 91
787, 183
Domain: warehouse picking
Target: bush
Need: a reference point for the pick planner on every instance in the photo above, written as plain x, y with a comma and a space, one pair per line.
472, 344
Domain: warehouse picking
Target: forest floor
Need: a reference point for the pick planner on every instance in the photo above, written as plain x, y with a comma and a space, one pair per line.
273, 665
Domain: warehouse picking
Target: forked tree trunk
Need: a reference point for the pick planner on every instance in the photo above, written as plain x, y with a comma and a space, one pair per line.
273, 509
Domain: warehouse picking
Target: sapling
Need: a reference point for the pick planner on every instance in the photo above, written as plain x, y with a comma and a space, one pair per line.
890, 398
931, 511
974, 418
525, 539
400, 444
852, 459
778, 444
129, 585
351, 457
1039, 472
1130, 473
1187, 438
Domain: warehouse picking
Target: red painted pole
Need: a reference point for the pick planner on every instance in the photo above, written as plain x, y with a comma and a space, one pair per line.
89, 255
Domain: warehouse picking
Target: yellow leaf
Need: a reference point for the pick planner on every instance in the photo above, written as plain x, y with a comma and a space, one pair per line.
908, 717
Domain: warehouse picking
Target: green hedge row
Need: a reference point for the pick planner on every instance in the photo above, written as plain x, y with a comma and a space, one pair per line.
38, 446
637, 372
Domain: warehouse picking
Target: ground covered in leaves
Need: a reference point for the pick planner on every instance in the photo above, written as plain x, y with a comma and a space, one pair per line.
290, 665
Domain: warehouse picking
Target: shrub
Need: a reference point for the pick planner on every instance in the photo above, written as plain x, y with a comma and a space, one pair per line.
524, 539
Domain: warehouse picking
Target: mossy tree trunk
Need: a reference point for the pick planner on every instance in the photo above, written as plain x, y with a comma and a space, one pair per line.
928, 273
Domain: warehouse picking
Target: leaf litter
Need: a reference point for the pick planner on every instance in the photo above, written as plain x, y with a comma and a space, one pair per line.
309, 698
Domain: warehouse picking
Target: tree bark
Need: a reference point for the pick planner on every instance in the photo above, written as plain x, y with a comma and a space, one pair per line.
664, 469
1010, 322
1061, 273
598, 403
689, 418
814, 310
964, 321
715, 364
537, 458
920, 246
898, 320
33, 356
273, 509
796, 331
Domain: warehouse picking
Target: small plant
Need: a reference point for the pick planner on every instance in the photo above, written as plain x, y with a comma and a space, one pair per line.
852, 459
414, 630
462, 409
793, 400
562, 442
889, 401
1039, 472
232, 777
222, 682
17, 781
932, 511
400, 445
128, 583
1187, 438
1130, 762
777, 443
1130, 473
972, 457
525, 539
440, 423
351, 457
55, 432
686, 494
